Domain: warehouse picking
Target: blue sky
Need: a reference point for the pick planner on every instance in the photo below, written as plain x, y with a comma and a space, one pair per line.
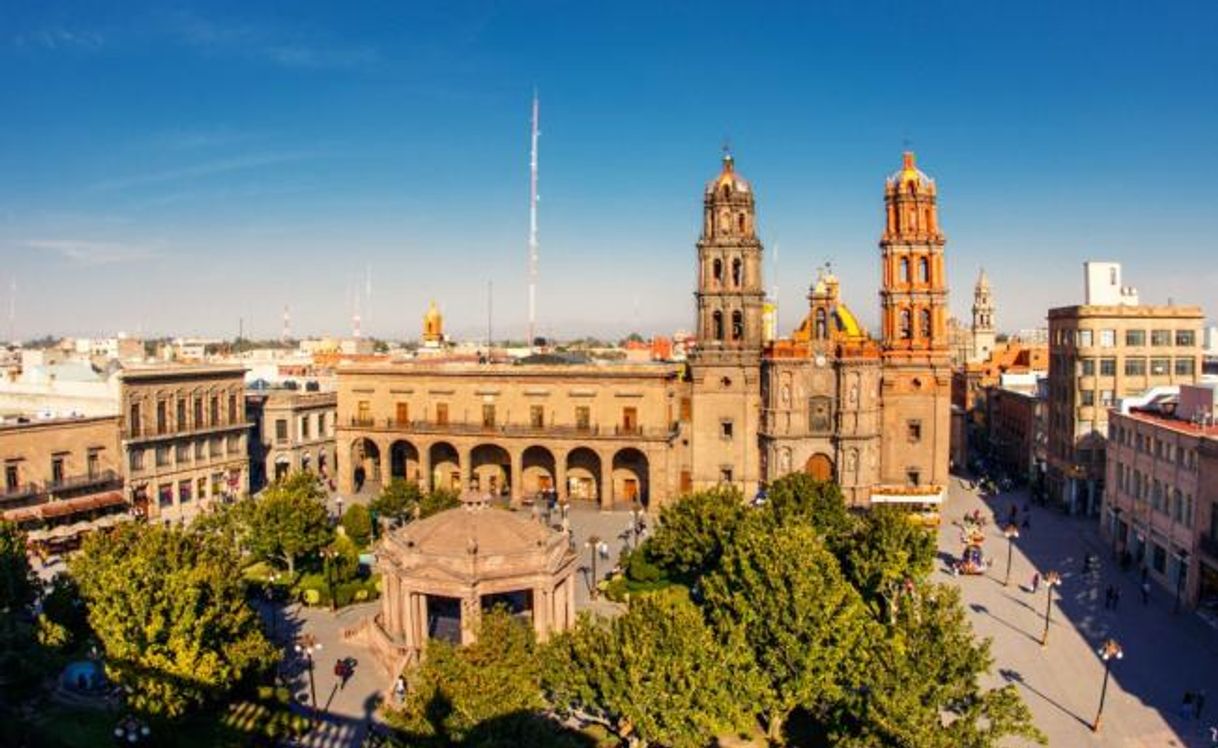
175, 167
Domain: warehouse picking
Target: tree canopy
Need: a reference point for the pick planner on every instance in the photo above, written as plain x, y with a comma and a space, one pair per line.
693, 531
397, 499
289, 520
656, 675
169, 608
18, 585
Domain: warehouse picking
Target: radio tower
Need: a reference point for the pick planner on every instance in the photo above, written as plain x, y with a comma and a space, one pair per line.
355, 318
533, 225
286, 335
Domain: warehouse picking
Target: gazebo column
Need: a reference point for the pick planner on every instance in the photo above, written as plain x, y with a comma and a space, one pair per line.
517, 476
541, 612
569, 583
470, 617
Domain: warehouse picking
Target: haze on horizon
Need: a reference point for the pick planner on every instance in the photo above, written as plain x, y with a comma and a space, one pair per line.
171, 168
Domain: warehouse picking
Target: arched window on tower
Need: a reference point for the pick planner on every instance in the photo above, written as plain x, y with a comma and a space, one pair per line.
717, 325
717, 271
737, 325
923, 270
906, 325
727, 191
904, 273
925, 326
821, 324
740, 222
737, 272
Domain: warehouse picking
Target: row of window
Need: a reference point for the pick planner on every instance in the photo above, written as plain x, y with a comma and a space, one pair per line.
306, 423
1133, 338
162, 425
1163, 498
537, 415
187, 451
1137, 367
189, 490
59, 473
1160, 448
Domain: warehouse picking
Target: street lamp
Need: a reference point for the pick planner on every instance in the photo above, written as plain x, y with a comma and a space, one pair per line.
306, 645
1108, 651
594, 542
1052, 579
329, 554
1011, 532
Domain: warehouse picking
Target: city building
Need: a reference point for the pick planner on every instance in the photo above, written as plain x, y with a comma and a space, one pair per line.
1016, 418
184, 437
1100, 354
830, 400
61, 477
1161, 506
292, 430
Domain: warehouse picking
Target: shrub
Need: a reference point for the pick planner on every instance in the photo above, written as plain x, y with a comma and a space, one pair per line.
640, 569
357, 522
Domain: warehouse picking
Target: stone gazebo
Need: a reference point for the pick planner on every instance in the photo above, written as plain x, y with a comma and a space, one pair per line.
440, 573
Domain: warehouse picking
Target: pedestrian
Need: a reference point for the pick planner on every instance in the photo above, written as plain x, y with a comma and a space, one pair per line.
1146, 593
1116, 597
1198, 703
1027, 520
1035, 582
1108, 597
399, 689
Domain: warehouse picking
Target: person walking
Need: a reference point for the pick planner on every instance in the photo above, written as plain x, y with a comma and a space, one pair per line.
399, 689
1108, 594
1116, 597
1146, 593
1035, 582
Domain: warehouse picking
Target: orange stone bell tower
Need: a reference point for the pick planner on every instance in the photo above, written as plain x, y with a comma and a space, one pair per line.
916, 385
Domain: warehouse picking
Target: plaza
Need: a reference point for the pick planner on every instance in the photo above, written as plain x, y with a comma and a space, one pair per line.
1165, 653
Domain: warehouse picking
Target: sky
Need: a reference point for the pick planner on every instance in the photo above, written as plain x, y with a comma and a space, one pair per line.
177, 168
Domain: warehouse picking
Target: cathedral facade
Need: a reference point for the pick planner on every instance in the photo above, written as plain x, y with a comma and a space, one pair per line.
872, 413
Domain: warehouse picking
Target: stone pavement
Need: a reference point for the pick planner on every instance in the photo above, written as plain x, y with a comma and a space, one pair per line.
1166, 654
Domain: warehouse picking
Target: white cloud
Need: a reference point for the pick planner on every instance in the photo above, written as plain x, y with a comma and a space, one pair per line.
205, 169
92, 253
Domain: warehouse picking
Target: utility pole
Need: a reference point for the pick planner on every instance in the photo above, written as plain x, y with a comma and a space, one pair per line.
533, 223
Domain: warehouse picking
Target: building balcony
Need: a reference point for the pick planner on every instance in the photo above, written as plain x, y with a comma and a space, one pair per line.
571, 431
73, 482
145, 436
19, 491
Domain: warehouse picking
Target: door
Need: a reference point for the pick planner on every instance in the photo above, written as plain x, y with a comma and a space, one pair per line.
630, 490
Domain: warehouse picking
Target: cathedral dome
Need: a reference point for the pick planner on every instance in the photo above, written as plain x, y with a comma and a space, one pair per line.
728, 178
909, 172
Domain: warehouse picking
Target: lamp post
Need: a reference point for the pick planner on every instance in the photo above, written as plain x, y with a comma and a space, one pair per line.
1052, 579
1011, 532
329, 554
1110, 650
593, 542
306, 645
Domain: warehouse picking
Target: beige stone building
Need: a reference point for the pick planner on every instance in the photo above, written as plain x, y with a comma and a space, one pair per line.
600, 432
873, 414
61, 476
1098, 356
184, 437
442, 572
292, 430
1162, 494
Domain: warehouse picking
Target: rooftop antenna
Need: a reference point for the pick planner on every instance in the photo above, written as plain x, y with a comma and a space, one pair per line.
355, 318
533, 222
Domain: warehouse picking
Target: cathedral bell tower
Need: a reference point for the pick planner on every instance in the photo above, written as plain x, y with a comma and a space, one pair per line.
725, 368
984, 336
916, 383
731, 297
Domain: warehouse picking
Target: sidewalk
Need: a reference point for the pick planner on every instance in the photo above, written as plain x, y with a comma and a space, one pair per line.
1166, 653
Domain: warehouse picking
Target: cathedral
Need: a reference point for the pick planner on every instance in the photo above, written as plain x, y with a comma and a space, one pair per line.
872, 414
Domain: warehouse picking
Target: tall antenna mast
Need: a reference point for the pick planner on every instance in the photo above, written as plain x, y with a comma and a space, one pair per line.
533, 224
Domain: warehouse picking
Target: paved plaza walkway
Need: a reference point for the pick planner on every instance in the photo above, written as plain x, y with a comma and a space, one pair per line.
1166, 653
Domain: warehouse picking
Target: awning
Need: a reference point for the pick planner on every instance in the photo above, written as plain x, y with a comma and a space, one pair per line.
56, 509
909, 494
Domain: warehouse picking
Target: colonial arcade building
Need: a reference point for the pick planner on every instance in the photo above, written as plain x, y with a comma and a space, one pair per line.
870, 413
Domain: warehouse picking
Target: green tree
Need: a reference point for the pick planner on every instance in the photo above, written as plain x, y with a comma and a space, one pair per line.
800, 498
357, 523
169, 609
437, 501
289, 520
923, 686
693, 531
18, 585
800, 617
456, 688
655, 675
887, 554
397, 500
